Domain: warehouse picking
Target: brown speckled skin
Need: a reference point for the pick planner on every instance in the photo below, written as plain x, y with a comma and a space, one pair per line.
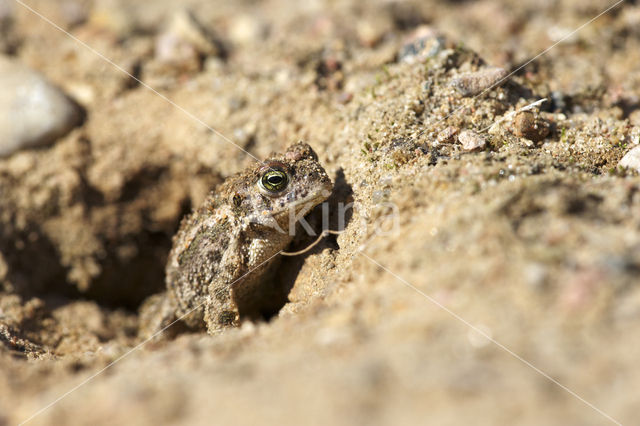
223, 251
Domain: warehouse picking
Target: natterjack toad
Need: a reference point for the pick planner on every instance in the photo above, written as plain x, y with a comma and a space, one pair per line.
222, 254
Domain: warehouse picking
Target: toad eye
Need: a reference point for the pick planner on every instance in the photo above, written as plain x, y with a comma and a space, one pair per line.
274, 180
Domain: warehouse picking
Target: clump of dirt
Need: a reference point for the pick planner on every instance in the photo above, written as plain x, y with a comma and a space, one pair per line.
462, 204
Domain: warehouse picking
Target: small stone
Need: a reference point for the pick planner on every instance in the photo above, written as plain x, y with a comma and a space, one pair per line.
185, 26
471, 141
535, 275
345, 97
33, 112
173, 51
447, 135
246, 29
417, 106
529, 126
371, 32
82, 92
631, 159
473, 83
423, 43
185, 43
634, 118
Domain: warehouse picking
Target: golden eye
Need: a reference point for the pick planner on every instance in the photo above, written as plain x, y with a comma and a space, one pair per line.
274, 180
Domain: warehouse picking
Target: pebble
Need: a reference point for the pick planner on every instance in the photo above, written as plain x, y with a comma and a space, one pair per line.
345, 97
246, 29
368, 34
631, 159
33, 112
417, 106
473, 83
529, 126
170, 49
447, 135
423, 43
185, 25
184, 42
471, 141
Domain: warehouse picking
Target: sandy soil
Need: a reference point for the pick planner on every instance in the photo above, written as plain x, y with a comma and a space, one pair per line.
531, 238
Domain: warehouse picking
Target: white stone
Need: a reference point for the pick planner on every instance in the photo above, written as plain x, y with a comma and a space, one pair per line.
33, 112
631, 159
471, 141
